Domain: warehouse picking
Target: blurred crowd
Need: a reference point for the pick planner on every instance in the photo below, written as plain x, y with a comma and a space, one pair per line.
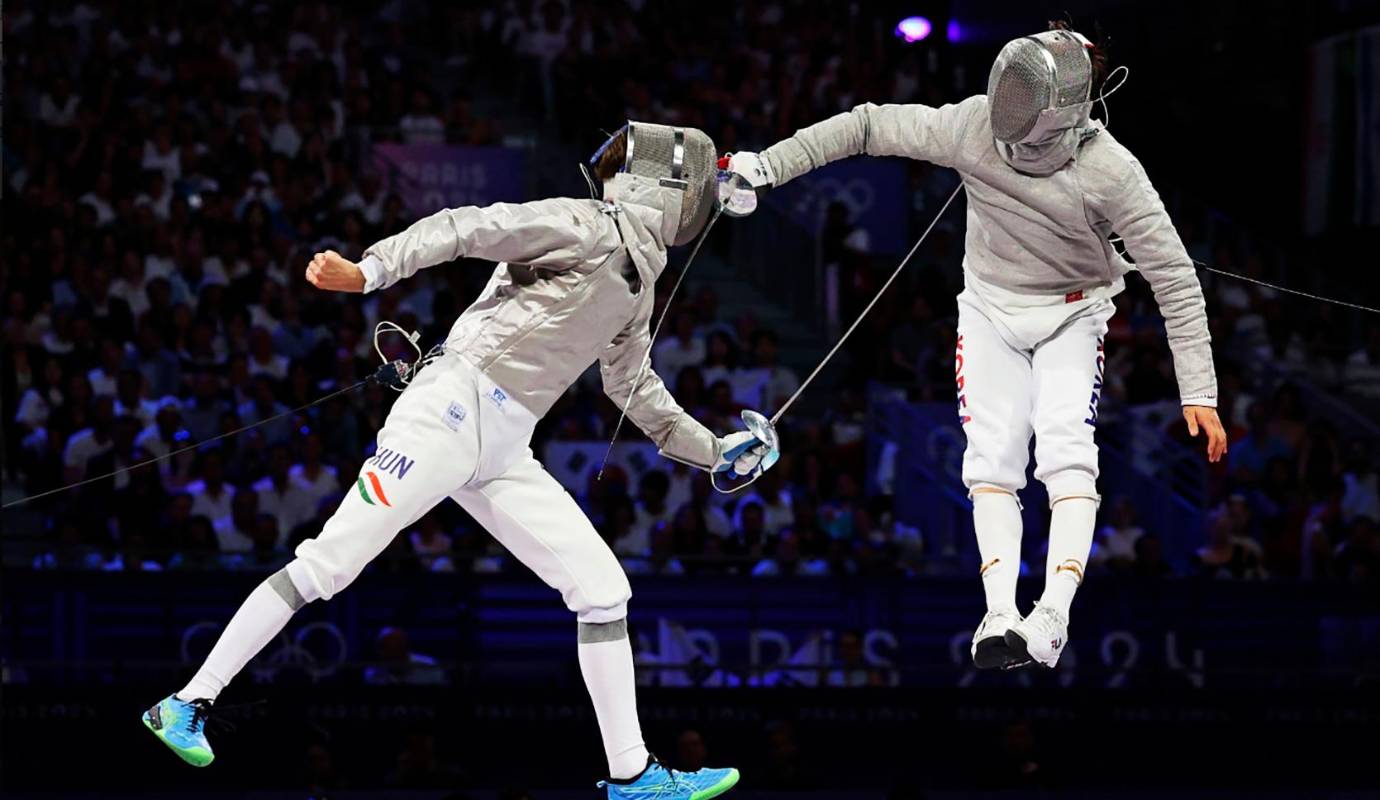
169, 170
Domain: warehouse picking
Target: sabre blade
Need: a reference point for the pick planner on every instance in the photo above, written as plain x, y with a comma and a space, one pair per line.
895, 273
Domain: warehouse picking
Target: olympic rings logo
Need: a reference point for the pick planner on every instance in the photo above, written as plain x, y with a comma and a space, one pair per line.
317, 648
856, 194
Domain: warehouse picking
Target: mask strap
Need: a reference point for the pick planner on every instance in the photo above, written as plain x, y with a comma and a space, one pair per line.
589, 180
1104, 93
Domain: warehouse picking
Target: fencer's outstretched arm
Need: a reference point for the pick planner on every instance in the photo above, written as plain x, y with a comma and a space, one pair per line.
556, 233
1135, 212
913, 130
653, 409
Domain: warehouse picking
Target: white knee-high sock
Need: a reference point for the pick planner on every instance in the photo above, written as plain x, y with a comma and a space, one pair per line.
606, 661
997, 520
1070, 541
263, 615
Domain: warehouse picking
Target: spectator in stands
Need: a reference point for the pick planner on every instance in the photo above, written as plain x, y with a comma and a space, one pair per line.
1362, 494
1361, 375
780, 381
165, 435
1228, 553
750, 530
317, 479
287, 502
264, 359
724, 410
90, 443
688, 531
661, 558
398, 664
1115, 545
1320, 459
197, 548
267, 553
421, 125
651, 510
211, 495
720, 359
42, 396
786, 559
431, 545
138, 510
156, 364
202, 413
836, 514
103, 376
1249, 456
131, 400
320, 777
1287, 423
236, 532
703, 500
1323, 529
771, 494
851, 669
1150, 561
784, 769
683, 348
1357, 558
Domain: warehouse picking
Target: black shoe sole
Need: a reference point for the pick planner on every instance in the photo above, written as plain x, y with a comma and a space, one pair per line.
1020, 649
994, 652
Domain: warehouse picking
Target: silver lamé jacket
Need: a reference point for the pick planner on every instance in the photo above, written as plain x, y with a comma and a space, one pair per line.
1036, 235
575, 285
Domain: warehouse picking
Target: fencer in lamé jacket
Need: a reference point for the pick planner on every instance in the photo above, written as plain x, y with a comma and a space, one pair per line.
1036, 234
574, 284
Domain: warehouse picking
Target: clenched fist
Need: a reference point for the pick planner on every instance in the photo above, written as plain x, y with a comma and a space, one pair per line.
335, 273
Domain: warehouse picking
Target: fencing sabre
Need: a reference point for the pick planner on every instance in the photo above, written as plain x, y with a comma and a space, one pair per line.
396, 375
765, 429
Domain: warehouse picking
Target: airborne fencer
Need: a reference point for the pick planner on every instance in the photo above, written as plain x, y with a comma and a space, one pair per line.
1048, 189
575, 285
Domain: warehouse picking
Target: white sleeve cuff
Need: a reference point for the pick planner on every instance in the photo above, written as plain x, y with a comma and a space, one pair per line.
372, 267
1207, 402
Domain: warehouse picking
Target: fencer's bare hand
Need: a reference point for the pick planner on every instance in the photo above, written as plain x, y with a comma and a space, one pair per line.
335, 273
1206, 419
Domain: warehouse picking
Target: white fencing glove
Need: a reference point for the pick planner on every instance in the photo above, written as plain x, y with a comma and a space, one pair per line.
754, 168
742, 455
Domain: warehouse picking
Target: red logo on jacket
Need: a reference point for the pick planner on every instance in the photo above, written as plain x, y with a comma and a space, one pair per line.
963, 418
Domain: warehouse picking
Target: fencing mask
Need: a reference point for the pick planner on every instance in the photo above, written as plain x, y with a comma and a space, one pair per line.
680, 159
1039, 95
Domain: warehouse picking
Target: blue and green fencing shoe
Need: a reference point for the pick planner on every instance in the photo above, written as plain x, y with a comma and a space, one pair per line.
181, 725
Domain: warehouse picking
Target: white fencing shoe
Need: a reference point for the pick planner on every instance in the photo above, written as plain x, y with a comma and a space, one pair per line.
1039, 637
990, 647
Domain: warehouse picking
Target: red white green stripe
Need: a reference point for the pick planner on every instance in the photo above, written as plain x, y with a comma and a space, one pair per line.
377, 487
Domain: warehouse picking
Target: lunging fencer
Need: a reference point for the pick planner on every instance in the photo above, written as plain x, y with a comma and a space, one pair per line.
1049, 189
575, 285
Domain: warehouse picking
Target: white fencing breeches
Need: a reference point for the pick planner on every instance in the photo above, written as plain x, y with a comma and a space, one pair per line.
453, 433
1030, 366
